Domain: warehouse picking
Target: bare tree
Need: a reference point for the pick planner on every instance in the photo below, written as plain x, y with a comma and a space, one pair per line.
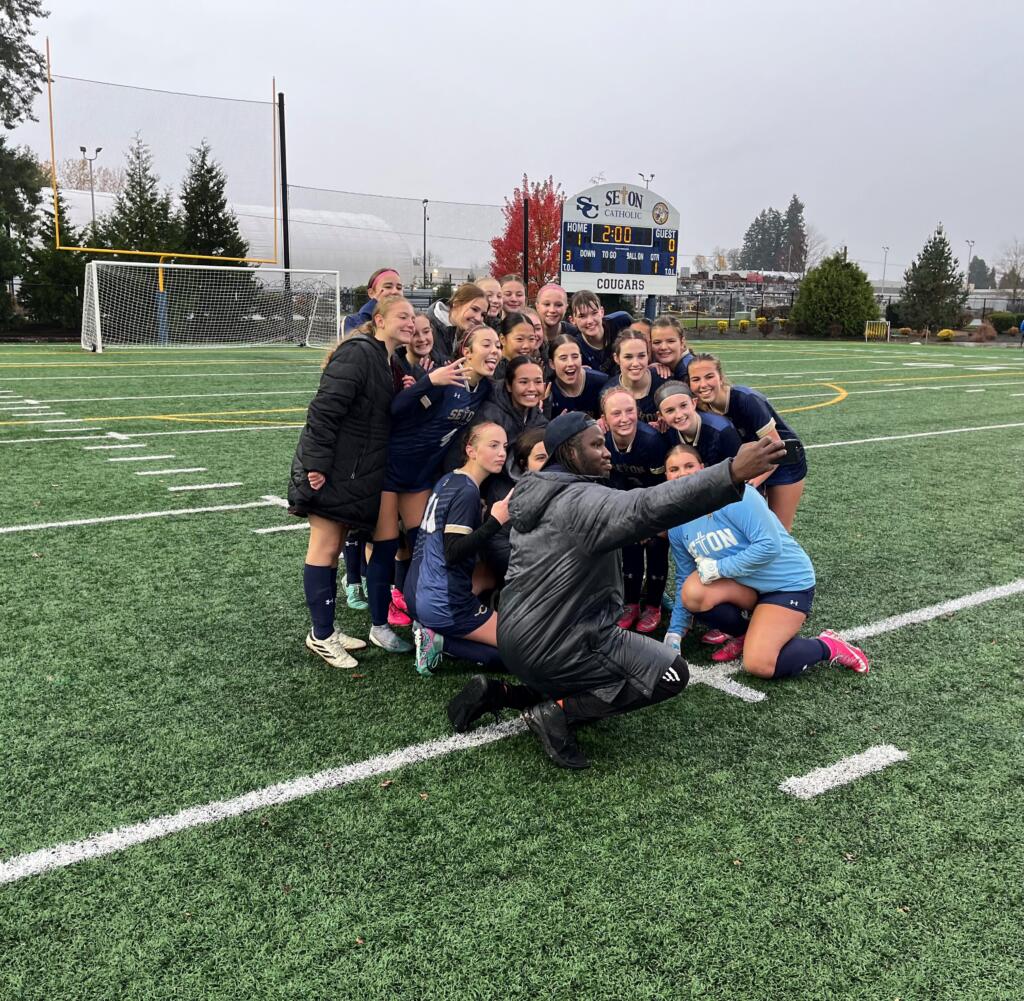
73, 173
701, 263
1011, 268
719, 258
817, 246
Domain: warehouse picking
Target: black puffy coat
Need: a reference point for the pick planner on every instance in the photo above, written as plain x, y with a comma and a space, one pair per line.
346, 436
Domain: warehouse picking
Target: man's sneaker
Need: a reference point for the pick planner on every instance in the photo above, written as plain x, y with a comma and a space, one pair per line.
354, 597
715, 637
479, 696
550, 727
398, 600
629, 615
396, 617
387, 639
650, 620
428, 649
332, 650
846, 654
731, 649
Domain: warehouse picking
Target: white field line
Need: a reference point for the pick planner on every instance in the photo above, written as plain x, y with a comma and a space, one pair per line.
297, 527
107, 519
45, 412
62, 430
59, 417
168, 472
874, 392
974, 390
140, 458
61, 856
719, 677
843, 772
98, 845
918, 434
179, 396
297, 370
155, 434
27, 441
103, 448
205, 486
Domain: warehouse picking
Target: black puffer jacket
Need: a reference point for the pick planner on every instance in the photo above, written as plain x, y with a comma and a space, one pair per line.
557, 628
346, 436
503, 411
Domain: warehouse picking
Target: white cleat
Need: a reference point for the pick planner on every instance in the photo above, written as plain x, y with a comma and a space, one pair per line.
333, 649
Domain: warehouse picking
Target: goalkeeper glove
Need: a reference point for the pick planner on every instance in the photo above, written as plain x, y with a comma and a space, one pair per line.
707, 569
672, 641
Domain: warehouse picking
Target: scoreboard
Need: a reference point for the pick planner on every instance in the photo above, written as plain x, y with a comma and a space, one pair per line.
619, 238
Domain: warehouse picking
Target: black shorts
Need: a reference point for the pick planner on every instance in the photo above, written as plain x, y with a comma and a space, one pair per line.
799, 601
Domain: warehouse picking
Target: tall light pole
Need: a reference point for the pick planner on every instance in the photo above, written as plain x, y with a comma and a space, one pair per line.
646, 178
970, 252
885, 261
425, 218
92, 192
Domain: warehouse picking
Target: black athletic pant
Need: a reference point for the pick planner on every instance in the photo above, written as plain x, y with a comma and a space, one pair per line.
588, 708
633, 557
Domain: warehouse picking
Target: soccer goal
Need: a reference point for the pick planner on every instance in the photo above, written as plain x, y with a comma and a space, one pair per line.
193, 305
876, 330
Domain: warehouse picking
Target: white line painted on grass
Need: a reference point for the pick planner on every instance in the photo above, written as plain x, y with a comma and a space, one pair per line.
719, 677
919, 434
108, 519
279, 501
182, 396
974, 390
168, 472
206, 486
64, 430
58, 418
297, 527
296, 371
140, 458
70, 853
934, 611
843, 772
103, 448
156, 434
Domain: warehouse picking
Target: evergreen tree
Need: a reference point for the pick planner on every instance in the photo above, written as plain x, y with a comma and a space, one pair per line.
933, 288
835, 300
775, 235
208, 225
793, 256
53, 280
762, 242
22, 70
978, 273
142, 217
21, 182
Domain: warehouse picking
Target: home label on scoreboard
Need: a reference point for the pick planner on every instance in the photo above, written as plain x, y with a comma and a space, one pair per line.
619, 238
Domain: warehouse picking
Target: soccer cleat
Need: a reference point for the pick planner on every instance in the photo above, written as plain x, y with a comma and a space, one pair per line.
846, 654
387, 639
428, 649
730, 650
629, 615
479, 696
332, 650
649, 620
548, 723
354, 597
715, 637
398, 600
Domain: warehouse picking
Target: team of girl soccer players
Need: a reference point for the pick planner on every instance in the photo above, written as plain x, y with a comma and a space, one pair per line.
418, 444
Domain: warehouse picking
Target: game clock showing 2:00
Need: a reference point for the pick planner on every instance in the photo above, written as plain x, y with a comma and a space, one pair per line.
616, 249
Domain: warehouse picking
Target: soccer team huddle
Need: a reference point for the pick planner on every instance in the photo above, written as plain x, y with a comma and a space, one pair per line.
510, 481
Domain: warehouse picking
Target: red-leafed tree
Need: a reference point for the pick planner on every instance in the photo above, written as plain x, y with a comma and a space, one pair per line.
546, 198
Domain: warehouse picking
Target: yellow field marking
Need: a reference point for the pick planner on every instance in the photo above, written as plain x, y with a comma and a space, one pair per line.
182, 417
841, 395
155, 364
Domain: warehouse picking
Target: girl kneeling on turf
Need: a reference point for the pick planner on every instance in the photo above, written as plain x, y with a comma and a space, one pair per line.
440, 582
744, 574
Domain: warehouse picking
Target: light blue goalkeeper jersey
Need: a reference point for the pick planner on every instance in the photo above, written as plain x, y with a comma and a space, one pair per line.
750, 545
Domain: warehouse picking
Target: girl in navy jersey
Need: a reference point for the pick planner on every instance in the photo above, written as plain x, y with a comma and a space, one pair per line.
671, 355
451, 535
516, 334
596, 332
552, 304
632, 354
638, 460
753, 417
426, 418
573, 387
513, 294
712, 435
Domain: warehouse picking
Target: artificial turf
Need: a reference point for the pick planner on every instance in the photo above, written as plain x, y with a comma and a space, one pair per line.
149, 666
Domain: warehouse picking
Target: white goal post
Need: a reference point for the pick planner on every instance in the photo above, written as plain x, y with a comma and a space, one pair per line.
876, 330
193, 305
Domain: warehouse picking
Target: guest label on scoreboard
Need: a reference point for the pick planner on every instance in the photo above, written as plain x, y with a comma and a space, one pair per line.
619, 238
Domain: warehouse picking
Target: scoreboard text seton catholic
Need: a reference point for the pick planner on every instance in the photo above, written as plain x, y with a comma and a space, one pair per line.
619, 238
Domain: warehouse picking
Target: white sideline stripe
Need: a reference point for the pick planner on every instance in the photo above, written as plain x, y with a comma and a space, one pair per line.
279, 501
152, 434
45, 412
719, 677
919, 434
843, 772
974, 390
934, 611
107, 519
167, 472
62, 430
180, 396
98, 448
206, 486
296, 370
70, 853
140, 458
297, 527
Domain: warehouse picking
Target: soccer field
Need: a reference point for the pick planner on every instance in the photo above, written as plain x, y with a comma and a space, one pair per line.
193, 806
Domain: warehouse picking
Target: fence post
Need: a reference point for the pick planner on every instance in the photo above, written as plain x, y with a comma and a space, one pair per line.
730, 309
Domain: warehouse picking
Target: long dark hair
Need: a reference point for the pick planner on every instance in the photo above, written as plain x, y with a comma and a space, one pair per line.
524, 445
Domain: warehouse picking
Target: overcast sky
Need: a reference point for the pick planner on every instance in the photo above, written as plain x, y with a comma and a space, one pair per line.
884, 117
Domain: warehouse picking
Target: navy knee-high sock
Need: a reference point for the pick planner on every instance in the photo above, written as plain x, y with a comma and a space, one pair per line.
379, 574
353, 560
320, 596
797, 655
731, 619
402, 566
479, 653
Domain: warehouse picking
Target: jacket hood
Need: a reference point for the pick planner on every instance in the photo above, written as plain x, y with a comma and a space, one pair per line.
441, 312
536, 491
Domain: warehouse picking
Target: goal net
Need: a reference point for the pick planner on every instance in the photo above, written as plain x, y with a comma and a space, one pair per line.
194, 305
876, 330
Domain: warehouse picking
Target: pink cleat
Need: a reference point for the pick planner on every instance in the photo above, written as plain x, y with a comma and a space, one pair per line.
846, 654
731, 649
629, 615
398, 600
715, 637
396, 617
650, 620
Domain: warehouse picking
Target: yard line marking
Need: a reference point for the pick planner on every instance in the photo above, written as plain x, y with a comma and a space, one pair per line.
206, 486
168, 472
974, 390
103, 448
184, 375
9, 529
33, 413
140, 458
934, 611
297, 527
154, 434
918, 434
843, 772
196, 418
279, 501
59, 430
719, 677
70, 853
